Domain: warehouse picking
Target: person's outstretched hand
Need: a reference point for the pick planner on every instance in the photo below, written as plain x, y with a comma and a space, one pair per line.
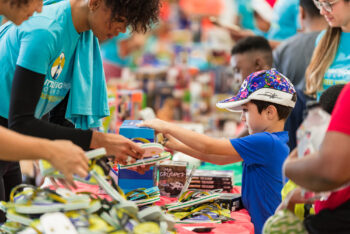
67, 158
124, 150
157, 124
172, 143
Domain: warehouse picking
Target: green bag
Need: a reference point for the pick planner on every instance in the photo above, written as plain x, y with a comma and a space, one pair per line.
284, 221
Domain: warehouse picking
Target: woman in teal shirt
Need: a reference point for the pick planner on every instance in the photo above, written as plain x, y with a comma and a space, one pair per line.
330, 63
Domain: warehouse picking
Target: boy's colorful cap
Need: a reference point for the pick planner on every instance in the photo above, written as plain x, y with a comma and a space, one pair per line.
266, 85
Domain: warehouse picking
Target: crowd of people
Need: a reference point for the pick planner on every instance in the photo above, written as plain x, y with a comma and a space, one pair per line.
49, 58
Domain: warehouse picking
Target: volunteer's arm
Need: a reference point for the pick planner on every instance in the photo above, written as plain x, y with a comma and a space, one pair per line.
26, 90
62, 154
57, 115
325, 170
228, 158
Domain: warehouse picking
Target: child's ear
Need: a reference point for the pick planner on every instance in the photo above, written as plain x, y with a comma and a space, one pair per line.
271, 112
257, 64
260, 64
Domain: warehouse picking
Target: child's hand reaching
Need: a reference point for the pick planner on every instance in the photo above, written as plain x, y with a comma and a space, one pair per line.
172, 143
157, 124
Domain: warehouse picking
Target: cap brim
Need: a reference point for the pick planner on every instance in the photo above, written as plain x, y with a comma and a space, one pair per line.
263, 94
235, 106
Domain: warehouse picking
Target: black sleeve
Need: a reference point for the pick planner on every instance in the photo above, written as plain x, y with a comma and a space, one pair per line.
26, 90
57, 115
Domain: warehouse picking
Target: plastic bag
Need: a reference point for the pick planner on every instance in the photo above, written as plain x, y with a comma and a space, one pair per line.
311, 132
310, 136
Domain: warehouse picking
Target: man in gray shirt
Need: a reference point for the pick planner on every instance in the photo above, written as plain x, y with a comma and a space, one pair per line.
293, 56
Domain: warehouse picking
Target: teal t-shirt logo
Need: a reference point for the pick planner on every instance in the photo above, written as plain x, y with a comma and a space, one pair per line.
57, 66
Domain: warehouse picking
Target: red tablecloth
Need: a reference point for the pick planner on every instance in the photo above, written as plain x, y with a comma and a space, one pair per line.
241, 225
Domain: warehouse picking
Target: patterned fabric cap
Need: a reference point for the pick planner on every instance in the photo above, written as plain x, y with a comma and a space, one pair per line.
266, 85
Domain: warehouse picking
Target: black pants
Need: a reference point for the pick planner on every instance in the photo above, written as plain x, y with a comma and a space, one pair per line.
10, 176
335, 221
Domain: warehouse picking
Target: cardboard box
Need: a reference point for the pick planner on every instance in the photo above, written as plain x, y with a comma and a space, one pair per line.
127, 179
131, 131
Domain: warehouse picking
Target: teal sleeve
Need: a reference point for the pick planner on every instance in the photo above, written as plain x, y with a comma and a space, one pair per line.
285, 20
36, 50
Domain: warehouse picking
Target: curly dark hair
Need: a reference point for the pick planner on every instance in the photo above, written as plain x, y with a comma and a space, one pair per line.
140, 14
18, 3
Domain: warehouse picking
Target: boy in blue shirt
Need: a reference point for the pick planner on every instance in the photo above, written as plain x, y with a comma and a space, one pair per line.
265, 98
